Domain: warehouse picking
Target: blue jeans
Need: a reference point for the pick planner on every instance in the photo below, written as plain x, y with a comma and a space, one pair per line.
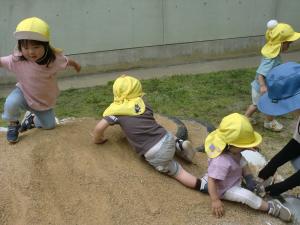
15, 103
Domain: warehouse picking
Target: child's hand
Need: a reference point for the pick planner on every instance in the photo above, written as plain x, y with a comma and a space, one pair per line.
217, 208
74, 64
77, 67
102, 141
99, 140
263, 89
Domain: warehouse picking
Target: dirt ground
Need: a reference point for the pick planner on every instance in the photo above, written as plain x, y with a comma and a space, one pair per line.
59, 177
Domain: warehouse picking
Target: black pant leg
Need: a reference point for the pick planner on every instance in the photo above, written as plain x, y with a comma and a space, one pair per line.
287, 184
290, 151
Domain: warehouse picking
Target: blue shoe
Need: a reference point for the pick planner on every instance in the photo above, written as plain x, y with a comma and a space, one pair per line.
12, 134
27, 122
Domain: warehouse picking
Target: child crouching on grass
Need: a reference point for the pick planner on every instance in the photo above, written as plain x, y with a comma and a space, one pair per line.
227, 168
153, 142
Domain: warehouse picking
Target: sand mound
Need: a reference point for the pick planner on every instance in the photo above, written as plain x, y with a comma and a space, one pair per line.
60, 177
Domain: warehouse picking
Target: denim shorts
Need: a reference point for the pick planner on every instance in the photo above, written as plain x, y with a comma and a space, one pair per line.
163, 159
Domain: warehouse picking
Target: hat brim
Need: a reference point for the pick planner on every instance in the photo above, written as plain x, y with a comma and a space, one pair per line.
29, 35
126, 108
280, 107
214, 145
295, 37
271, 50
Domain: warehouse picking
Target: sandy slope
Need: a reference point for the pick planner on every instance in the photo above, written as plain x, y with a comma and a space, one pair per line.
60, 177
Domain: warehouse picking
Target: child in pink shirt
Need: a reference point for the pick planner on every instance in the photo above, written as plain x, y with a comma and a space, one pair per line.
35, 64
227, 168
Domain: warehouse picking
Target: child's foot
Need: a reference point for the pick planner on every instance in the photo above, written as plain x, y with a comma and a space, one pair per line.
273, 125
12, 134
185, 150
277, 209
27, 122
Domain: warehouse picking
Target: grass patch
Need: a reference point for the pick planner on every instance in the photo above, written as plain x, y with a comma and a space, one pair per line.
207, 96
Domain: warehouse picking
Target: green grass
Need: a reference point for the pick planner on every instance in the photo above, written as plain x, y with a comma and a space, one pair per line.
204, 96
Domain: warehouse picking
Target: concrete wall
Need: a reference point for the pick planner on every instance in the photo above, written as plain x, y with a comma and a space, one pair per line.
120, 34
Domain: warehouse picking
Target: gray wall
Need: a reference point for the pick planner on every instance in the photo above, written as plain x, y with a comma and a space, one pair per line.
120, 34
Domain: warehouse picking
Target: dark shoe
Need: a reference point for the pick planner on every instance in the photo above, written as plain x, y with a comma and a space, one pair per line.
12, 134
27, 122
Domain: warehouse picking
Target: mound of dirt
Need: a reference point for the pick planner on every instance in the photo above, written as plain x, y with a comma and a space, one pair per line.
59, 177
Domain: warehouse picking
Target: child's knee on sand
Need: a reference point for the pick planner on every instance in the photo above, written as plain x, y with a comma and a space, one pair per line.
161, 155
45, 123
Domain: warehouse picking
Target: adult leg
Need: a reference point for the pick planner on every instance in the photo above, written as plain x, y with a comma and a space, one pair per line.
290, 151
287, 184
296, 163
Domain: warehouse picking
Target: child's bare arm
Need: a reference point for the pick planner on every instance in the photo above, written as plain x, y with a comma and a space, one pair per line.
73, 63
262, 84
98, 133
216, 203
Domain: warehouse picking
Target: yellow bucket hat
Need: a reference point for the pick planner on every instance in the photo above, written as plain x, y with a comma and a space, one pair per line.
276, 34
33, 29
127, 97
234, 129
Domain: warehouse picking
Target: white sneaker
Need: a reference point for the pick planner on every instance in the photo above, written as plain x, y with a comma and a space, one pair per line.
273, 125
185, 150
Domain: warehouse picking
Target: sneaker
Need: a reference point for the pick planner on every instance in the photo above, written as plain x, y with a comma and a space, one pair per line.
277, 209
185, 150
204, 185
12, 134
273, 125
27, 122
